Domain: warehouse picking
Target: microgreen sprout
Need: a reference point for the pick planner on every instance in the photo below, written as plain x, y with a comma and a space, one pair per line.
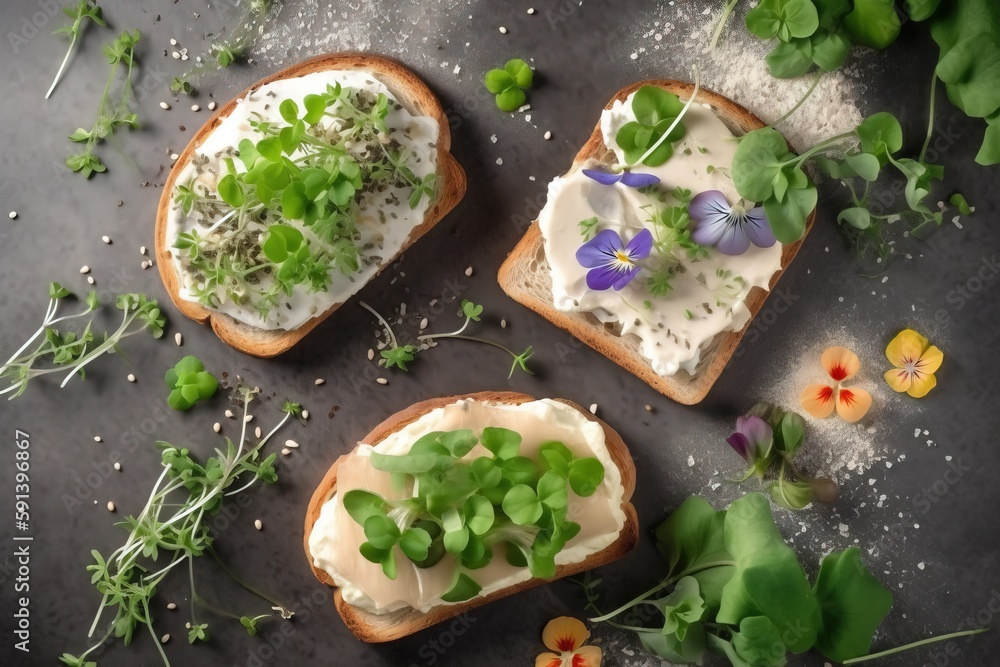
173, 527
74, 351
80, 13
509, 84
189, 383
465, 506
110, 115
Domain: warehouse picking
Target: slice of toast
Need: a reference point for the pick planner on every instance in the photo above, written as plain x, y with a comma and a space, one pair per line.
525, 275
413, 94
376, 628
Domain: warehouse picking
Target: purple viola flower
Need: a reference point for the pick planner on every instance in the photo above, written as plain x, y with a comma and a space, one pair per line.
611, 262
753, 439
626, 178
731, 229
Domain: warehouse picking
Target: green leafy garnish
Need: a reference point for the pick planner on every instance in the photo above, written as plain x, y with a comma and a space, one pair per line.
80, 13
189, 383
465, 506
110, 115
71, 350
509, 84
656, 111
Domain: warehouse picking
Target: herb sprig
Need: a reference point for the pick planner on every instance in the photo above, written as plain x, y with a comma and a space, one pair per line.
509, 83
465, 506
172, 527
110, 115
74, 351
396, 355
80, 13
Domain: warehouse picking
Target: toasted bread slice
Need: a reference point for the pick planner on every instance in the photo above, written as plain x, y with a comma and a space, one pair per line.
412, 93
525, 275
376, 628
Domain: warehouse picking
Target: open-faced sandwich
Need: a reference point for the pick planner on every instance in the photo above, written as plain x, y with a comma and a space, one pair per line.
298, 192
645, 250
456, 502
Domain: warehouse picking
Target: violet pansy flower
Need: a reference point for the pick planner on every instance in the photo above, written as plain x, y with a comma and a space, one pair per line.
626, 178
731, 229
612, 263
752, 440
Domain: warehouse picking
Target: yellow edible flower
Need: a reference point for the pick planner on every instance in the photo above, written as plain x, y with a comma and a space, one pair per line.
915, 361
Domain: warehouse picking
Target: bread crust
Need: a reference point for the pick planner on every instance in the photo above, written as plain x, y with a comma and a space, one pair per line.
412, 93
681, 387
377, 628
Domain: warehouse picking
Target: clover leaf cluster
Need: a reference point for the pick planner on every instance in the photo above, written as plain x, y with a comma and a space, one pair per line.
509, 83
308, 171
464, 506
189, 383
656, 111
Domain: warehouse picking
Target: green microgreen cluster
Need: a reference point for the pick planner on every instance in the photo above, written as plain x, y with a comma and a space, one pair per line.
650, 138
189, 383
464, 506
396, 355
111, 115
70, 352
734, 589
309, 173
509, 83
171, 530
79, 13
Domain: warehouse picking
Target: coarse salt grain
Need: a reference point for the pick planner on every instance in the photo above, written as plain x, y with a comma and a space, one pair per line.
503, 30
97, 438
106, 239
118, 466
12, 215
593, 408
131, 377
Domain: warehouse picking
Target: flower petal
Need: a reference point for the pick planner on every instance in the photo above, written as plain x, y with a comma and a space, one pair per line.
905, 348
708, 204
840, 363
587, 656
734, 240
564, 634
626, 277
759, 229
741, 444
640, 245
603, 177
634, 180
817, 400
922, 383
600, 250
605, 277
757, 431
898, 379
548, 660
853, 403
930, 360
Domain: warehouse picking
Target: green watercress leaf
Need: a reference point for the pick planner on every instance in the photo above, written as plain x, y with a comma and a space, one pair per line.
585, 476
759, 643
757, 162
503, 442
788, 218
415, 543
464, 588
784, 19
521, 505
872, 23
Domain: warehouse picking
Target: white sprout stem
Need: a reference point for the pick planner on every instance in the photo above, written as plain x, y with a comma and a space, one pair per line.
221, 220
62, 67
156, 640
49, 313
445, 335
97, 619
145, 511
722, 23
382, 321
100, 349
177, 560
677, 121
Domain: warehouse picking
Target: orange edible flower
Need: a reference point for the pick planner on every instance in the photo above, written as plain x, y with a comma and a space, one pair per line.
567, 636
851, 403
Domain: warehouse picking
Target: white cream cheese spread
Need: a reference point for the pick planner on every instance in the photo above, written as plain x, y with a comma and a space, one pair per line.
384, 219
336, 537
707, 295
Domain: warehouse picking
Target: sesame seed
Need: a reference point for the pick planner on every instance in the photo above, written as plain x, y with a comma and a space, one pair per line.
118, 466
291, 444
195, 107
97, 438
531, 10
248, 419
12, 215
286, 451
142, 250
229, 413
649, 408
164, 105
319, 381
179, 338
593, 408
503, 324
217, 427
84, 269
423, 323
305, 414
164, 639
382, 381
174, 157
211, 106
90, 280
503, 30
468, 271
171, 606
258, 524
371, 354
106, 239
547, 135
111, 506
257, 432
131, 377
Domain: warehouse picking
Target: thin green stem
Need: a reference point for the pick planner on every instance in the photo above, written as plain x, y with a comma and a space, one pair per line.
722, 23
788, 114
821, 146
475, 339
907, 647
677, 121
930, 120
156, 640
445, 335
232, 575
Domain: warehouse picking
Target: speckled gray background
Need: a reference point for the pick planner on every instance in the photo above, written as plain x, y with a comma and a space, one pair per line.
582, 59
